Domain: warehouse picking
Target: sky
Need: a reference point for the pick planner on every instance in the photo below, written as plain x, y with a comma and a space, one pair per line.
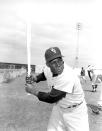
51, 23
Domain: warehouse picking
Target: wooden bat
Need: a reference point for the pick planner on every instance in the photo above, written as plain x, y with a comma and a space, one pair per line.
28, 47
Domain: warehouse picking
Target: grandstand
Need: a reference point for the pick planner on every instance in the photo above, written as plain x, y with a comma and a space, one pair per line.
5, 65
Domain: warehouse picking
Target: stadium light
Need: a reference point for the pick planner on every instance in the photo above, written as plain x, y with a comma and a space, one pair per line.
78, 28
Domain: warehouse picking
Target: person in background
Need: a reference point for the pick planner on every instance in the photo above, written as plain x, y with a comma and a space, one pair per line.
69, 111
90, 71
82, 74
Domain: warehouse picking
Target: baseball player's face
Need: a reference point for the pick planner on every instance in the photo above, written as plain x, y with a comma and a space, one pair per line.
56, 66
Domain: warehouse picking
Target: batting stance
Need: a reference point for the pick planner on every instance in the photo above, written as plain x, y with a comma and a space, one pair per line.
69, 111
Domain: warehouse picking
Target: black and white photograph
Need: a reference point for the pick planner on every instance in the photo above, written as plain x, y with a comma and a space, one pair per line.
50, 65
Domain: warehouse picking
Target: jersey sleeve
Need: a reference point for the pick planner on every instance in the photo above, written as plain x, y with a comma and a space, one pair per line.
40, 77
51, 97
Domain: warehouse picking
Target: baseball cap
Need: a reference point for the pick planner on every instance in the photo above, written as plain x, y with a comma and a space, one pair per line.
52, 53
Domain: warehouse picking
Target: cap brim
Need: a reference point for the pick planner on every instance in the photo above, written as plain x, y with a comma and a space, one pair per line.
54, 57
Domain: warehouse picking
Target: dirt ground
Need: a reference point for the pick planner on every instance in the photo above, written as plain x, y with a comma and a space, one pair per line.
22, 112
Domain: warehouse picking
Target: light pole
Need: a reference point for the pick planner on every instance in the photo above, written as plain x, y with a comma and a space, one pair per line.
78, 28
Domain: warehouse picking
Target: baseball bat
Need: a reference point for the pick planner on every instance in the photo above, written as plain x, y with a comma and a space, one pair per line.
28, 47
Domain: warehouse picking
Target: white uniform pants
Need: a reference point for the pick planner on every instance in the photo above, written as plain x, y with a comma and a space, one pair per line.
70, 119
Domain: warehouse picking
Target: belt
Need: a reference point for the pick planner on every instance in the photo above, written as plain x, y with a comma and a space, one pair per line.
75, 105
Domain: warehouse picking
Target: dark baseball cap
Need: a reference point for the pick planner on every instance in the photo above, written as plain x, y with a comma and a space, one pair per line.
52, 53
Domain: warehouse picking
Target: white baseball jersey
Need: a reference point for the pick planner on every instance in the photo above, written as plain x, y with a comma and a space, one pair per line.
62, 117
48, 75
70, 83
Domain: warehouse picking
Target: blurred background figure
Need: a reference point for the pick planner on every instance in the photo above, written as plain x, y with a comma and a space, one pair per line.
93, 77
90, 71
96, 105
82, 75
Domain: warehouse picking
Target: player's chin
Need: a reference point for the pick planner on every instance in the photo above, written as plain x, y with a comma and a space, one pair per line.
59, 71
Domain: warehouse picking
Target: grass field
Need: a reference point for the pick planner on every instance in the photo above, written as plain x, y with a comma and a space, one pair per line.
22, 112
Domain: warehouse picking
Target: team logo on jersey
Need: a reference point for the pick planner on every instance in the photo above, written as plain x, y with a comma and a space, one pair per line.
53, 50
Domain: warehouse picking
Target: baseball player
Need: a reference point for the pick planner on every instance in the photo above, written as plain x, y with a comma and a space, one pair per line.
93, 77
90, 71
96, 104
69, 111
